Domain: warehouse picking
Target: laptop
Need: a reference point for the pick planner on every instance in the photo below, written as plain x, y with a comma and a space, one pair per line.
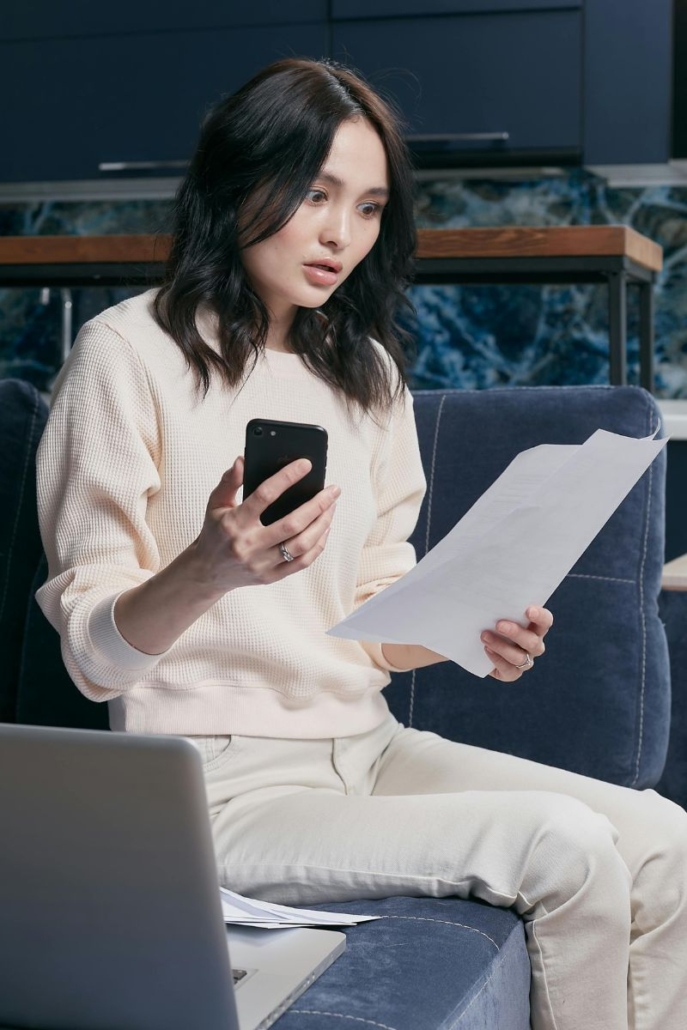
110, 913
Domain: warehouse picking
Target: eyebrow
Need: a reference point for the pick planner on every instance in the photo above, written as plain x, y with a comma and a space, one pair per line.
333, 180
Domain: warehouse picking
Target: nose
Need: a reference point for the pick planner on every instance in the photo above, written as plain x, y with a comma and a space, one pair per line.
336, 229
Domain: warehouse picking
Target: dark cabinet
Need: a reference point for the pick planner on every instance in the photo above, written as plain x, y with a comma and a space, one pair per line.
517, 75
518, 81
52, 19
67, 106
628, 58
402, 8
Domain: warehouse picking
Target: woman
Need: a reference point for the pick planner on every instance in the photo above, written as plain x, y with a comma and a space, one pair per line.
291, 250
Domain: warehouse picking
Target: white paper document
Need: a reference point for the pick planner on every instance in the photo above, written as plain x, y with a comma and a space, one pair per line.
510, 550
249, 912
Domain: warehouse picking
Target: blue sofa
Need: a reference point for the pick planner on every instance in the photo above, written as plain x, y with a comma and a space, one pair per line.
598, 703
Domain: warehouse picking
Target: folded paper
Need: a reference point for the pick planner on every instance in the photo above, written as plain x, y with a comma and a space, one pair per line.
242, 911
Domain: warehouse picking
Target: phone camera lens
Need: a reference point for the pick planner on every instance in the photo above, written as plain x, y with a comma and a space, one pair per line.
257, 431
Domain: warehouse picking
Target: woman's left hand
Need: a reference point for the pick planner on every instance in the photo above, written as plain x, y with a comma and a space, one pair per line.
510, 647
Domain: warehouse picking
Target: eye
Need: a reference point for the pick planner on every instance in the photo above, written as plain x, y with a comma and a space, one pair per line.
369, 210
316, 195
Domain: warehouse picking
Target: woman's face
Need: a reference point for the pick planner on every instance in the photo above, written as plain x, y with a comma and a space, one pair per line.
332, 230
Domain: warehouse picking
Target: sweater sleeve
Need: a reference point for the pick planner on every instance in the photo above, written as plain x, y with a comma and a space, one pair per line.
96, 467
400, 487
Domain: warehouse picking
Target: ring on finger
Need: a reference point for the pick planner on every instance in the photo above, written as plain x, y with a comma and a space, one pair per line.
285, 553
528, 663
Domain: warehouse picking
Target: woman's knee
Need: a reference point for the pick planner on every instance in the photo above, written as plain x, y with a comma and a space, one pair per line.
660, 875
668, 821
573, 853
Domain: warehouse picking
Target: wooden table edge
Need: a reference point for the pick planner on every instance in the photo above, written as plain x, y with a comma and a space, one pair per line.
57, 250
507, 241
542, 241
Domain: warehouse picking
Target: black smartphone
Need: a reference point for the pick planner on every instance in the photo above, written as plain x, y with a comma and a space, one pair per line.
270, 445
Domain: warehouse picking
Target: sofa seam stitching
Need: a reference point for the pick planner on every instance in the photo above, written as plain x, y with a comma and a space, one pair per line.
430, 494
340, 1015
642, 616
433, 470
606, 579
448, 922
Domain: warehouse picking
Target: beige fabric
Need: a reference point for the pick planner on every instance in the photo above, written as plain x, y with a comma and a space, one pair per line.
125, 468
598, 872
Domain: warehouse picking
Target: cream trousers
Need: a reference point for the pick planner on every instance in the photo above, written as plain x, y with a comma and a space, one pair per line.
597, 872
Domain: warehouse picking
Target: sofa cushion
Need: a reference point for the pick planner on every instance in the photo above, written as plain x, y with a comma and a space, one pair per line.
47, 695
427, 963
598, 703
35, 686
24, 414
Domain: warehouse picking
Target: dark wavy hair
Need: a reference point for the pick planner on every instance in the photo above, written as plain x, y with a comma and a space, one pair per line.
268, 142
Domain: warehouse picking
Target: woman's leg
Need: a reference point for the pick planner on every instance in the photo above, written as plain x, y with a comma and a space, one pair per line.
303, 821
651, 840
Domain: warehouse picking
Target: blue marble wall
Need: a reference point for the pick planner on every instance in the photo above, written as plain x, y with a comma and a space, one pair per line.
466, 336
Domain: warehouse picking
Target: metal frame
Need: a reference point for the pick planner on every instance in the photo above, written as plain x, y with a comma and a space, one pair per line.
618, 272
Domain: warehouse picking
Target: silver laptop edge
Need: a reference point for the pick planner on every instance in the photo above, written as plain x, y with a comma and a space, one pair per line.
109, 903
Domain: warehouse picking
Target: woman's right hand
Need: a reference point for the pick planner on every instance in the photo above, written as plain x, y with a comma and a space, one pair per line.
234, 549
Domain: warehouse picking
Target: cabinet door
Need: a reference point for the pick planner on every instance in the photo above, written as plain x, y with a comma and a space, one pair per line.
516, 73
70, 104
400, 8
57, 19
628, 81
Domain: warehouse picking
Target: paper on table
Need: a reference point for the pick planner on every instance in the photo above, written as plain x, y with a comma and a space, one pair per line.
511, 549
266, 915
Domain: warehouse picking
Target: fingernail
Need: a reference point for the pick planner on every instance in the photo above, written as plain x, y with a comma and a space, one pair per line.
334, 490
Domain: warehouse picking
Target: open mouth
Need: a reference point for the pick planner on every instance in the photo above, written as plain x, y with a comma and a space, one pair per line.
321, 274
327, 266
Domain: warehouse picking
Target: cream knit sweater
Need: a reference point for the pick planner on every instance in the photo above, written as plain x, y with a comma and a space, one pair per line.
125, 468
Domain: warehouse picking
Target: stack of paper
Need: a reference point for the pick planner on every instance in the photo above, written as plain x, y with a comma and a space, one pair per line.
248, 912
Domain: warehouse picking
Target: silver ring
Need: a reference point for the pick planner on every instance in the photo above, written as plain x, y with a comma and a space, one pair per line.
286, 555
528, 663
